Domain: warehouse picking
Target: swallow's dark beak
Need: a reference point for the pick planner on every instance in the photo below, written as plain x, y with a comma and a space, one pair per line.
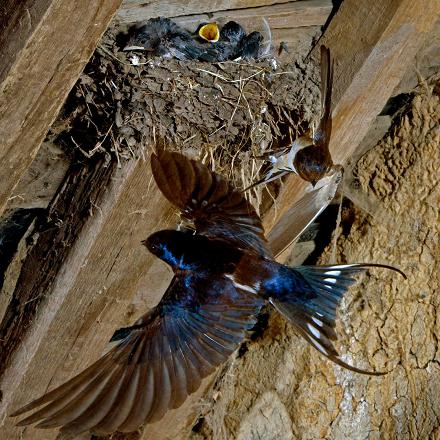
144, 242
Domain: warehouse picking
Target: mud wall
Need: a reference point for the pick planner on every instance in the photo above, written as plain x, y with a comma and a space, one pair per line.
280, 388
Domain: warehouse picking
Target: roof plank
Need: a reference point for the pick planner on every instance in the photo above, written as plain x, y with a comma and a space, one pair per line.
279, 16
44, 45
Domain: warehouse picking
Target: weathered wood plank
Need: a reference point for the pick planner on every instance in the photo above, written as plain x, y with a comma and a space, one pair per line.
279, 16
373, 45
130, 9
298, 40
107, 280
53, 236
44, 45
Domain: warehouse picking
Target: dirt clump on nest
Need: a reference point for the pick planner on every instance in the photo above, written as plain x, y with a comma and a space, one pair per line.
226, 114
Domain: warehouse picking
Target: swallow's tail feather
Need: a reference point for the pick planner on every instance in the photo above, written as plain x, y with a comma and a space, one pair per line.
308, 297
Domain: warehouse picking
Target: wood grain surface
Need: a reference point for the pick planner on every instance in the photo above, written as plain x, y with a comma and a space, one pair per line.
44, 45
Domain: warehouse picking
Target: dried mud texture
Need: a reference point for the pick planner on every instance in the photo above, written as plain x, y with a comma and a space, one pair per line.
280, 388
225, 113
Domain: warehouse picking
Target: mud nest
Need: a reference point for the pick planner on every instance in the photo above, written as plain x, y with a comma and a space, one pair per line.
227, 114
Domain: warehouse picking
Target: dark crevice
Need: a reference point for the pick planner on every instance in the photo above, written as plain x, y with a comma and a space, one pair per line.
336, 5
242, 350
260, 326
12, 229
325, 225
397, 105
198, 425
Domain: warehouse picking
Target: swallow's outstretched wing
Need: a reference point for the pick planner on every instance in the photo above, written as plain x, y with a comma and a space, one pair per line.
216, 208
157, 363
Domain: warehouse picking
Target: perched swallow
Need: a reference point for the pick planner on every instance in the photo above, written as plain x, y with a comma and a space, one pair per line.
232, 32
226, 48
307, 157
223, 275
162, 37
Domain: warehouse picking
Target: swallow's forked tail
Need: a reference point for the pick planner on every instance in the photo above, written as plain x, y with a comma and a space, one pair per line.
308, 297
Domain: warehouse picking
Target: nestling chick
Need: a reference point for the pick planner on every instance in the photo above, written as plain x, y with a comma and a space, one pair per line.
162, 37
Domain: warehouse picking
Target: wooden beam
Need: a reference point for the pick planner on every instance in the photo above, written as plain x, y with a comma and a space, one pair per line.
373, 44
44, 45
130, 9
279, 16
107, 280
298, 40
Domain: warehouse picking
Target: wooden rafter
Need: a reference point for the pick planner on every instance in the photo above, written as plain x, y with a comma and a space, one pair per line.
291, 22
280, 13
44, 45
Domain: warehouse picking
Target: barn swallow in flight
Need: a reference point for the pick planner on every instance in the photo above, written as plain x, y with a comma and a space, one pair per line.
223, 274
310, 158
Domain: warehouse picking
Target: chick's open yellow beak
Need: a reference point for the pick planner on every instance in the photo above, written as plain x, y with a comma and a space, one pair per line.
210, 32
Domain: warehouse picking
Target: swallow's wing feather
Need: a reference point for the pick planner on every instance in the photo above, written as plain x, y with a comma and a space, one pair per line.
157, 363
217, 209
323, 133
